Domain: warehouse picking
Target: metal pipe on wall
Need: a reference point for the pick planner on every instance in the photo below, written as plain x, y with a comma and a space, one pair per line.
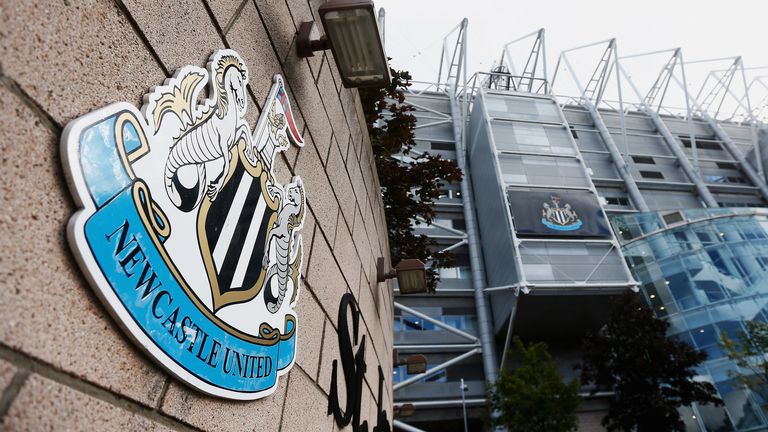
478, 270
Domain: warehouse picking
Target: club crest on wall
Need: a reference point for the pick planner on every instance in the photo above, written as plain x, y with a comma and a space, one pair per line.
559, 218
185, 233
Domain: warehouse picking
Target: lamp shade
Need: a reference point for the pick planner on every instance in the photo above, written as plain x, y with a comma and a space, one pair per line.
351, 29
411, 276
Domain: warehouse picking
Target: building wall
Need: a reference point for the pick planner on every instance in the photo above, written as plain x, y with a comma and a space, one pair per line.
705, 273
64, 363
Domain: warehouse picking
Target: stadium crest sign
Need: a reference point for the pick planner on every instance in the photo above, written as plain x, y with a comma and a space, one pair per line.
183, 230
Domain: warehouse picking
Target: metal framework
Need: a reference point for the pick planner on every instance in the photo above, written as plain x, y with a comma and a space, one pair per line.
452, 81
591, 95
532, 81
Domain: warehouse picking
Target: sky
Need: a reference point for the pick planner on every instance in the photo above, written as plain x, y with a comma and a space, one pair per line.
704, 29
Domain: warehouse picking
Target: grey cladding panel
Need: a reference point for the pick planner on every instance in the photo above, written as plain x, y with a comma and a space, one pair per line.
589, 140
633, 122
438, 103
668, 200
577, 117
571, 262
538, 170
668, 168
438, 132
680, 127
533, 138
737, 132
602, 165
642, 144
522, 108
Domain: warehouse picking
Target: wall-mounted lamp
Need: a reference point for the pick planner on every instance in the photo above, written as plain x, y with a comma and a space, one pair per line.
353, 36
411, 275
416, 363
404, 410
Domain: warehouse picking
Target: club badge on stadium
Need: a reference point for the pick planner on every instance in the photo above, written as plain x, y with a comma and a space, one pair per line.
185, 233
559, 218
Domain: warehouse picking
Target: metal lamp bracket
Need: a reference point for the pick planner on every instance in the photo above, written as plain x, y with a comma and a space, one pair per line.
305, 45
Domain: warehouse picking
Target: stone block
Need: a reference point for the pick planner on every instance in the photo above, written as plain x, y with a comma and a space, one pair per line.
360, 238
308, 236
308, 407
45, 405
300, 12
73, 57
310, 338
279, 23
329, 354
249, 38
346, 255
185, 36
325, 279
7, 371
215, 414
224, 11
342, 186
307, 98
320, 196
330, 97
48, 309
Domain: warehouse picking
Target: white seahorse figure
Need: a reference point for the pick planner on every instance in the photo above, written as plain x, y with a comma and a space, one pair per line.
204, 140
285, 243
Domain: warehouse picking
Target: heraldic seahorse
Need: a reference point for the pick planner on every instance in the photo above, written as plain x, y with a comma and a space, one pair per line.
286, 243
205, 140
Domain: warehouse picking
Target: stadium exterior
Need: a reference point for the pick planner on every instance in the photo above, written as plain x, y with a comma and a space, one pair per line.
568, 202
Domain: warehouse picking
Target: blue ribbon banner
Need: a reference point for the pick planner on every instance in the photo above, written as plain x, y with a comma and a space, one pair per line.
125, 236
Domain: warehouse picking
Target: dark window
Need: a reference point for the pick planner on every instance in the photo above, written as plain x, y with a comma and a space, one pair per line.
701, 143
459, 224
573, 132
737, 180
652, 174
726, 165
643, 160
443, 146
621, 201
673, 218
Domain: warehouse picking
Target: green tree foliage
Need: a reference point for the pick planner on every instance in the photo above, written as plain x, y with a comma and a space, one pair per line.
749, 352
650, 373
408, 189
532, 397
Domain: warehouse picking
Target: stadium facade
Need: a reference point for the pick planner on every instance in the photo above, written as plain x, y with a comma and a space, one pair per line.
568, 202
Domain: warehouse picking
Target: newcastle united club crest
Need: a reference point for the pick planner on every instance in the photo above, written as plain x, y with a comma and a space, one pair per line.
185, 233
558, 218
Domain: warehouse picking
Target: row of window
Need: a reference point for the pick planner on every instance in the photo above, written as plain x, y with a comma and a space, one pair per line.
648, 160
412, 323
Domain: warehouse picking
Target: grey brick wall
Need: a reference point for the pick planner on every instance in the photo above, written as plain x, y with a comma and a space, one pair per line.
64, 363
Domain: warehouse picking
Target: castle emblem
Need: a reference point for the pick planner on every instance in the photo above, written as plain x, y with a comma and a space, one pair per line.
559, 218
184, 231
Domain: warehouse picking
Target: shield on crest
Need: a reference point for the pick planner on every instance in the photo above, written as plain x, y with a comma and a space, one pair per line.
233, 231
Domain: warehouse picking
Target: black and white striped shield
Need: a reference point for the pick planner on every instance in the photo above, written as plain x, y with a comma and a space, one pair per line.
234, 229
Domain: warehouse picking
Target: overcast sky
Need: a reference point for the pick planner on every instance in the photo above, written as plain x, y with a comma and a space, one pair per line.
704, 29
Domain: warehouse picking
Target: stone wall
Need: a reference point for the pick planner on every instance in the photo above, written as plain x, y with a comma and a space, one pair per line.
64, 362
